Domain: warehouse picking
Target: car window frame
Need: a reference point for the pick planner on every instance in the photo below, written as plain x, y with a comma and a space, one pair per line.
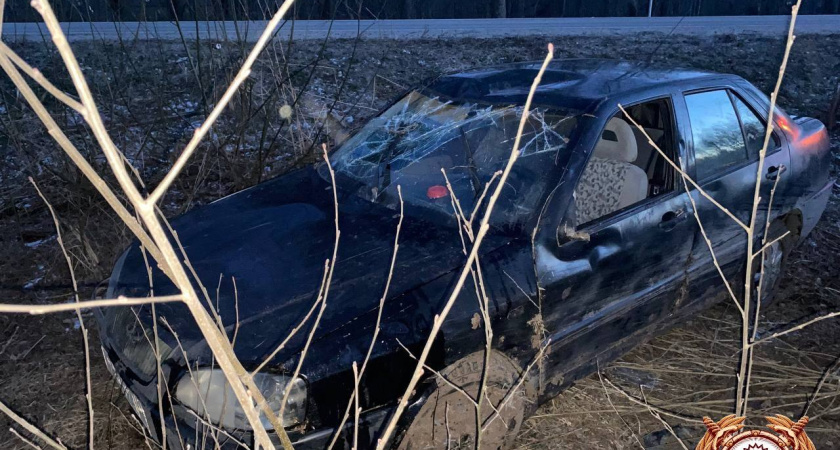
598, 224
774, 138
759, 102
729, 90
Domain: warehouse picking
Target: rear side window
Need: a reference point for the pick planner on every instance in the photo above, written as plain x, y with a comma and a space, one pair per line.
716, 132
754, 128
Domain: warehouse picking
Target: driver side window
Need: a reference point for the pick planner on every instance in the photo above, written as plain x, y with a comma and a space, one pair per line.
624, 168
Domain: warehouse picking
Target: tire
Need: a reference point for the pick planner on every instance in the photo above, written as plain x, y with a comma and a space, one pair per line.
447, 420
769, 274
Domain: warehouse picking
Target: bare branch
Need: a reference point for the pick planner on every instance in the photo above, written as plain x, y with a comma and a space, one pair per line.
666, 424
241, 76
376, 328
356, 409
24, 440
83, 165
795, 328
742, 394
635, 400
710, 247
768, 244
30, 428
682, 172
85, 341
612, 405
39, 78
482, 231
325, 287
830, 370
441, 377
64, 307
239, 379
537, 358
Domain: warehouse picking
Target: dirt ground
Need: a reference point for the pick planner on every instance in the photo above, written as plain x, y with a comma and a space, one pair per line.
154, 94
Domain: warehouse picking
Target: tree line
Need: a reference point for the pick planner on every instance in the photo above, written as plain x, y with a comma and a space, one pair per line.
188, 10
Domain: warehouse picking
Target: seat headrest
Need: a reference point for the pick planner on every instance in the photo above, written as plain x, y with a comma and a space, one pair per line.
617, 142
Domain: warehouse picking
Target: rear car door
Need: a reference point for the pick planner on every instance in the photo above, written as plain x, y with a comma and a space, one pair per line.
615, 272
726, 132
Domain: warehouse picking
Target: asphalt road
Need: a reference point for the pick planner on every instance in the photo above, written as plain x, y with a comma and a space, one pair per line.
442, 28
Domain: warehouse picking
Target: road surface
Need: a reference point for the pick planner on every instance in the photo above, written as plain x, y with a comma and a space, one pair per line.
439, 28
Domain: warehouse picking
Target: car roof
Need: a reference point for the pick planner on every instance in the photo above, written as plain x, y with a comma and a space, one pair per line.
572, 83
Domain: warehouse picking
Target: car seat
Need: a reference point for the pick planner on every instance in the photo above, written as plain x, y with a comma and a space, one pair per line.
610, 180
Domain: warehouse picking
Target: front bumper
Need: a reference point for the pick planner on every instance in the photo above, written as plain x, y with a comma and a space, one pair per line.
184, 430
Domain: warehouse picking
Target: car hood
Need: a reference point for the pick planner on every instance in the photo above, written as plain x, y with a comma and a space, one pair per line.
274, 240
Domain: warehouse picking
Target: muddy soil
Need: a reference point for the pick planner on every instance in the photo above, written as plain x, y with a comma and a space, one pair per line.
153, 95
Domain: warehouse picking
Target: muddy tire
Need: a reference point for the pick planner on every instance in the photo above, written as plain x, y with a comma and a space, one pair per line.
769, 275
447, 420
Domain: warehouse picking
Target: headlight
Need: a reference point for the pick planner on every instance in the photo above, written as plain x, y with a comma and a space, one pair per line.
208, 393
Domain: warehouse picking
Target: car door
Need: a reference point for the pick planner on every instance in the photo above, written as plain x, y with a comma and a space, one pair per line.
616, 275
726, 134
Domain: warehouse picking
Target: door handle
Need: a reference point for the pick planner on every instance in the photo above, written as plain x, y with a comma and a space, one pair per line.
671, 218
773, 172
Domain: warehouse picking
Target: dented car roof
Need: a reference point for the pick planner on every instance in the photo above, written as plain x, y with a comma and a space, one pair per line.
572, 83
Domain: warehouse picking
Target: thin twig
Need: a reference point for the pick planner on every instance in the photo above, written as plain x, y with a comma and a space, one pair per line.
95, 179
325, 287
666, 424
481, 295
768, 244
241, 76
239, 380
82, 327
156, 347
711, 247
795, 328
64, 307
356, 409
612, 405
742, 394
24, 440
649, 406
497, 410
440, 376
377, 326
682, 172
385, 438
39, 78
32, 429
830, 370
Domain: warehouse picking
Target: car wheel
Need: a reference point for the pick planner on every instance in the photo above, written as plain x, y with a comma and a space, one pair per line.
769, 274
447, 420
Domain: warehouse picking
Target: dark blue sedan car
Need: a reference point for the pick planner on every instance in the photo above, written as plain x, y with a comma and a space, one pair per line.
593, 248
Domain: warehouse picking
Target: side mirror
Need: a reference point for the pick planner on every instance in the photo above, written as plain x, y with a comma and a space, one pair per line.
566, 233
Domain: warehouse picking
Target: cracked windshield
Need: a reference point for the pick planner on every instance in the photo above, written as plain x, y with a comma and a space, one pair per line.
412, 141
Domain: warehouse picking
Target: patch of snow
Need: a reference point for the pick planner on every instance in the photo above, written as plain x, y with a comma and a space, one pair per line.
32, 283
38, 243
